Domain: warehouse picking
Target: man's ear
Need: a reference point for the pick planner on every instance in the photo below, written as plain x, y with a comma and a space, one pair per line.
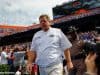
51, 22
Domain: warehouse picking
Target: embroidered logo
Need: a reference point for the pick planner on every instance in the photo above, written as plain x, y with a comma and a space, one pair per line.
51, 35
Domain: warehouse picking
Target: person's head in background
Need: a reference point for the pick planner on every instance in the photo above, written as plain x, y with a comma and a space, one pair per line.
45, 22
73, 34
6, 49
20, 48
97, 39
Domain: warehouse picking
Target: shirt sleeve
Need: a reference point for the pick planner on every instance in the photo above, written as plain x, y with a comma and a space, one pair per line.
5, 55
64, 42
33, 44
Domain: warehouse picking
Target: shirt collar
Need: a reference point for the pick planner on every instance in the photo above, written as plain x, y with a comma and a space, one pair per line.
47, 30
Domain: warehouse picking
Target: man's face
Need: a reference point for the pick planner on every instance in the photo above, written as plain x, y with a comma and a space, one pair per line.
44, 22
7, 49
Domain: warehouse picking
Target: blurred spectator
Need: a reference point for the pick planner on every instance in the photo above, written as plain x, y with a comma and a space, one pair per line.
88, 36
4, 55
76, 49
11, 60
19, 58
97, 39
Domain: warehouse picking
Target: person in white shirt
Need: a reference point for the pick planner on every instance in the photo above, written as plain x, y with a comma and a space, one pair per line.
47, 47
4, 56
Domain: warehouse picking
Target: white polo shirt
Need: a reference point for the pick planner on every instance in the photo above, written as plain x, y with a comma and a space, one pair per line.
4, 59
49, 46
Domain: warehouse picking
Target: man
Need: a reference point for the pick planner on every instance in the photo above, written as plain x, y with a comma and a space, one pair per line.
4, 55
76, 51
47, 48
4, 60
19, 58
11, 60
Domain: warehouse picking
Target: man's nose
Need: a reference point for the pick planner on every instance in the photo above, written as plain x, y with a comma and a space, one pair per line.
42, 22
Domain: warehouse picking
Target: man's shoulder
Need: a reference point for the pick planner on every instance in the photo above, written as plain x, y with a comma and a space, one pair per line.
56, 29
3, 52
38, 33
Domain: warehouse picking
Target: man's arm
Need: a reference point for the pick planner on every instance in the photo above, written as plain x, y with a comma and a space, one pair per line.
68, 58
65, 46
32, 52
31, 56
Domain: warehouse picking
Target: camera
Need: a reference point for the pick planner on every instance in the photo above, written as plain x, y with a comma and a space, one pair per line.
94, 48
91, 47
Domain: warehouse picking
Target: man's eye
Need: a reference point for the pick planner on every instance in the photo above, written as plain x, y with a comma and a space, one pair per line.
42, 21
